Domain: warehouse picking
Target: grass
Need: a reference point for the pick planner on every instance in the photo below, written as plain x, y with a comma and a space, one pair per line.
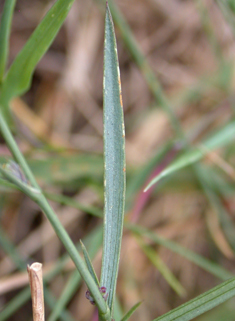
179, 233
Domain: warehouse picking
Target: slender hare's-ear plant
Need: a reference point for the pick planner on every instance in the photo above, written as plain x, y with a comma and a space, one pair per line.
15, 81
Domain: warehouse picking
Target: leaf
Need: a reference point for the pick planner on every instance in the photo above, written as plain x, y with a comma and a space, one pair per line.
89, 264
162, 268
114, 163
219, 139
225, 311
19, 75
131, 311
197, 259
202, 303
5, 33
94, 242
206, 180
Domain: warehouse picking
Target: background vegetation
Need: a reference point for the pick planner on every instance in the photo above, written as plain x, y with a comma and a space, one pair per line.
174, 56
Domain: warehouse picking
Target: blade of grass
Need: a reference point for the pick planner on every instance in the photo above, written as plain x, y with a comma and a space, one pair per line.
202, 303
205, 264
20, 73
114, 163
221, 138
130, 312
135, 184
208, 30
89, 264
226, 223
5, 28
162, 268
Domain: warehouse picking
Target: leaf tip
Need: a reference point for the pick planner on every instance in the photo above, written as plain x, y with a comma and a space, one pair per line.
82, 245
146, 189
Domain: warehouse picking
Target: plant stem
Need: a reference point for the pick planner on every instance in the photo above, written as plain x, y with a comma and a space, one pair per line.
5, 27
40, 199
9, 139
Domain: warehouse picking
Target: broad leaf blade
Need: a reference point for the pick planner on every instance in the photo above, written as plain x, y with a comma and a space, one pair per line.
220, 138
202, 303
19, 76
114, 158
5, 33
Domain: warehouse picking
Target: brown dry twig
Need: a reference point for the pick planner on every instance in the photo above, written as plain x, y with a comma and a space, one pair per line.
36, 286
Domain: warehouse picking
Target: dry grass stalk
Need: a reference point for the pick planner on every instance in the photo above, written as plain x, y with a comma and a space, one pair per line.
36, 285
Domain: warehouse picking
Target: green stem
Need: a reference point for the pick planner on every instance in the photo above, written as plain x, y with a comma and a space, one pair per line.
71, 249
9, 139
5, 33
40, 199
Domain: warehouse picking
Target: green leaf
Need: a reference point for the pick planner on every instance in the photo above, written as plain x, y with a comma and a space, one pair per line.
207, 181
197, 259
5, 33
94, 242
114, 162
89, 264
162, 268
225, 311
219, 139
202, 303
131, 311
19, 75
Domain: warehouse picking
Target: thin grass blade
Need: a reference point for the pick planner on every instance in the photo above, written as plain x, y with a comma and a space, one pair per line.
221, 138
202, 303
5, 27
131, 311
208, 185
197, 259
89, 264
162, 268
114, 158
18, 78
